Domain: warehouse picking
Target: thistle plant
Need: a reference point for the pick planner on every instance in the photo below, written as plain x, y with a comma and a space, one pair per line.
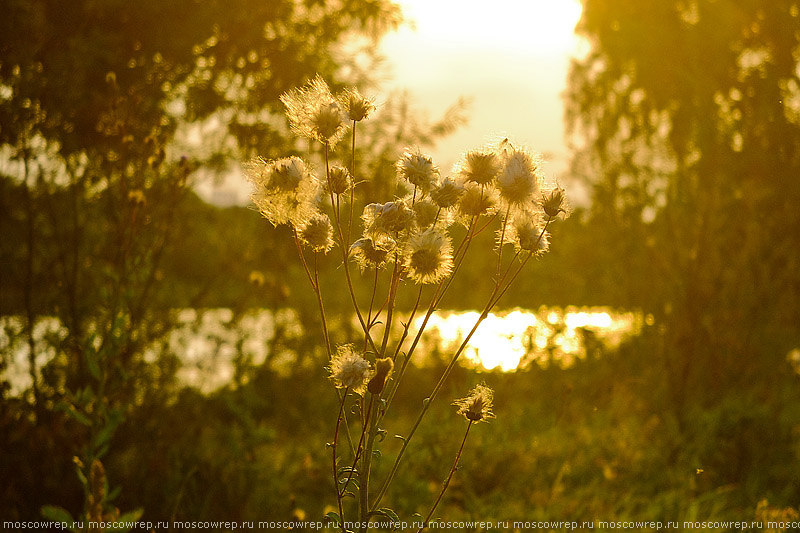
408, 242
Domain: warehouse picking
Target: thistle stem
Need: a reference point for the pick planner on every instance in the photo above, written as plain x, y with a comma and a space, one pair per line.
314, 280
352, 184
501, 242
366, 463
359, 449
408, 324
344, 245
371, 303
333, 447
437, 297
446, 481
318, 293
390, 308
499, 290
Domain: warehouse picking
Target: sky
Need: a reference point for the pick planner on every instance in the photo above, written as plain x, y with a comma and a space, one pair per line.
510, 58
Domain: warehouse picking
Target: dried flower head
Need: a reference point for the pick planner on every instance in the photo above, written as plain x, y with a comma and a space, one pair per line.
518, 182
387, 219
554, 203
425, 212
430, 256
477, 200
317, 233
447, 192
314, 113
283, 175
528, 234
284, 190
355, 105
418, 169
338, 179
349, 369
369, 253
479, 166
383, 370
477, 405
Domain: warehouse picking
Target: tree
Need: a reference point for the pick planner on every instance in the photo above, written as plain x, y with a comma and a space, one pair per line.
96, 100
687, 115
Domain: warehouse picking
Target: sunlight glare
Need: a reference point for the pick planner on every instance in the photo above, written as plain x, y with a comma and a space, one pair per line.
504, 340
511, 25
509, 59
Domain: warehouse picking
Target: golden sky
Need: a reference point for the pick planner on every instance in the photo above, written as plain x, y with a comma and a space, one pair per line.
509, 56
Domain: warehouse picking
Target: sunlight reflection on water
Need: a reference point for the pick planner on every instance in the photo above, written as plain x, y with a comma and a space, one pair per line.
520, 337
210, 343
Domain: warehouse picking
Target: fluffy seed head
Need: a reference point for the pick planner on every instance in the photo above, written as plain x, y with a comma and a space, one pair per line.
283, 190
284, 175
418, 169
317, 233
355, 105
479, 166
518, 182
477, 200
368, 253
387, 219
349, 369
554, 204
314, 113
527, 233
327, 122
446, 193
430, 256
425, 212
477, 405
338, 179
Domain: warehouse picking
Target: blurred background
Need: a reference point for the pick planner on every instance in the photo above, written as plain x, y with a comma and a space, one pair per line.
161, 349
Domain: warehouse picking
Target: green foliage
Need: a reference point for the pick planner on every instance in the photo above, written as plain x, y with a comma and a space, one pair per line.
689, 112
97, 101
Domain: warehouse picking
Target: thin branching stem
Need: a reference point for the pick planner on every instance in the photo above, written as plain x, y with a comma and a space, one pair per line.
313, 279
359, 448
344, 245
395, 282
501, 241
407, 325
486, 224
352, 184
436, 218
500, 288
446, 481
318, 293
333, 447
435, 299
425, 406
366, 463
371, 303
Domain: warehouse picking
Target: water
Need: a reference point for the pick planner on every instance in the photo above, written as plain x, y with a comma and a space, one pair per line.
210, 343
551, 335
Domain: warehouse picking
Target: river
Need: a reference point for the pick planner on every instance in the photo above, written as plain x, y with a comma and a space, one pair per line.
209, 343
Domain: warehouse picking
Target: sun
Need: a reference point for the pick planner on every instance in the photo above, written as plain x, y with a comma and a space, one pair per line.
545, 26
508, 58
